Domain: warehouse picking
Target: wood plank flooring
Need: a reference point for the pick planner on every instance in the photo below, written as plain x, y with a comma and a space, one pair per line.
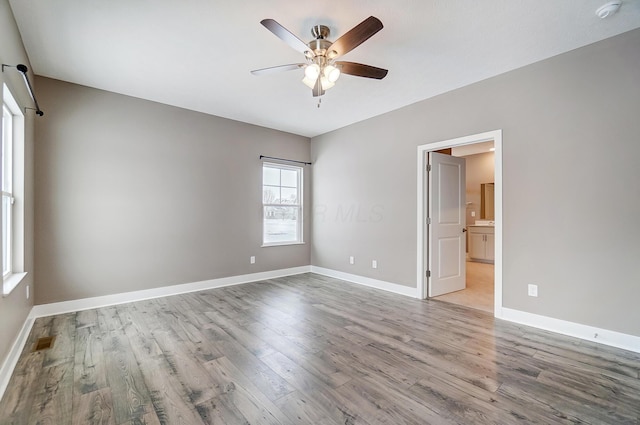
309, 349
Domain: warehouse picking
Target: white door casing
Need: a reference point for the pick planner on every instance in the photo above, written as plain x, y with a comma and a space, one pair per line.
422, 235
446, 227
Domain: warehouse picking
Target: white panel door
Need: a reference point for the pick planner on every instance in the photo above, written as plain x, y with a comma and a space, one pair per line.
447, 215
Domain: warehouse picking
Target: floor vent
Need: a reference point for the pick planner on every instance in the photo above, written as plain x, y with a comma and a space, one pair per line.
44, 343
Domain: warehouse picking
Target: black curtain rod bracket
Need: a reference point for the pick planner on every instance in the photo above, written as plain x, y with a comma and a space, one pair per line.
23, 70
287, 160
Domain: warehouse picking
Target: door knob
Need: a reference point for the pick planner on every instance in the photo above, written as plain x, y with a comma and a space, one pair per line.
464, 229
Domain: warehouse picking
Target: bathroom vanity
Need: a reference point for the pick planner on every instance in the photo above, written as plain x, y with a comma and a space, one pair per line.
482, 243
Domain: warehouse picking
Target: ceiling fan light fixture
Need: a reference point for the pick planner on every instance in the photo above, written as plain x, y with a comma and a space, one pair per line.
312, 71
331, 73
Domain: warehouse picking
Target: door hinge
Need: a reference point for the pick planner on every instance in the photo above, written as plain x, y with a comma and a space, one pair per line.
428, 273
428, 167
428, 220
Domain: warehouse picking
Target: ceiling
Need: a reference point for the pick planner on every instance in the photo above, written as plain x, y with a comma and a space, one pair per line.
473, 149
197, 54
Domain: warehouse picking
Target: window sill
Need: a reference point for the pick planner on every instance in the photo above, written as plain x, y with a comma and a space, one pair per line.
10, 282
266, 245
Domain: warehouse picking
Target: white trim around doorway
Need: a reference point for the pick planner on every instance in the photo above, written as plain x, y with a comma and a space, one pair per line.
496, 136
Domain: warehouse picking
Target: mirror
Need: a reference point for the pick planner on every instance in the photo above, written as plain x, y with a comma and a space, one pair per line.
487, 201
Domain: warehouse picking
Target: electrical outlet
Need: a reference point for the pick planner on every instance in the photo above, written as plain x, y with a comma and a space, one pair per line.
252, 259
351, 260
533, 290
374, 264
473, 213
27, 291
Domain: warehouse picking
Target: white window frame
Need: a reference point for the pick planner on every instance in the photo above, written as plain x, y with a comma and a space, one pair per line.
7, 189
299, 205
12, 165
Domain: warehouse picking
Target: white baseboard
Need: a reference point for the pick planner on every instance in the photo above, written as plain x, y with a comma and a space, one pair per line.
14, 355
367, 281
51, 309
589, 333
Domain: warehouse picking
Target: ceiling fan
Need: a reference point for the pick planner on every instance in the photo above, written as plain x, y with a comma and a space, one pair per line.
321, 70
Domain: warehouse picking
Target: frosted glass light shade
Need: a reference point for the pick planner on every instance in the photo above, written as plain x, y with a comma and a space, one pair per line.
331, 73
325, 83
312, 71
309, 82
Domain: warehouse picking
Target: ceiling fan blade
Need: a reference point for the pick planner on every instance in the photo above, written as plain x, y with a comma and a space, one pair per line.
356, 36
362, 70
276, 69
285, 35
317, 88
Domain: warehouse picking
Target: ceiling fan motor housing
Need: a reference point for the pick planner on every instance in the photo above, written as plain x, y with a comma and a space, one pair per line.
319, 46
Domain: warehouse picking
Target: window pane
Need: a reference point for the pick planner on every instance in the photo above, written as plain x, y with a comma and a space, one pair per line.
7, 138
6, 234
290, 178
281, 224
270, 194
289, 195
270, 176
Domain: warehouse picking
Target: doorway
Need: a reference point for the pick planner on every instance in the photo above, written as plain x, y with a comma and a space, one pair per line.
424, 256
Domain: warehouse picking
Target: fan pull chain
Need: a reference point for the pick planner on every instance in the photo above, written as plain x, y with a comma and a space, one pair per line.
319, 101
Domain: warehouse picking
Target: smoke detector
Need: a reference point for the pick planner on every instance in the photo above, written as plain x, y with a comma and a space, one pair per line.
608, 9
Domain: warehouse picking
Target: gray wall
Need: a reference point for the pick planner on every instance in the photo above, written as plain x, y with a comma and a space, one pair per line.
571, 197
133, 195
15, 307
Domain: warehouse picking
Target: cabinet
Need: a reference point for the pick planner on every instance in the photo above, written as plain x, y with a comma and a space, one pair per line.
482, 243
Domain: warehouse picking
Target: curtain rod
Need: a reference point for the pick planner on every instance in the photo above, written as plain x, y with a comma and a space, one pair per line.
23, 69
288, 160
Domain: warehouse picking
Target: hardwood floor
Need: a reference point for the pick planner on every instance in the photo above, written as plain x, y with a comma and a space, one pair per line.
309, 349
479, 292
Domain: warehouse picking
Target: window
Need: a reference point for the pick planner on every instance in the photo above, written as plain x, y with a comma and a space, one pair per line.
12, 192
281, 204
